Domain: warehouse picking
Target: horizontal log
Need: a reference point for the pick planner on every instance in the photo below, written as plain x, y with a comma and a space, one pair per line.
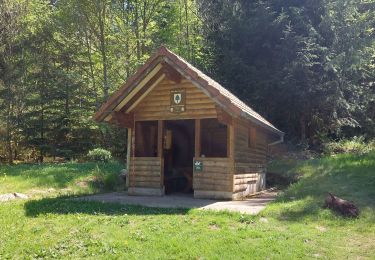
242, 137
239, 171
166, 115
212, 159
216, 165
192, 111
166, 107
250, 161
212, 182
249, 169
256, 156
252, 188
145, 168
246, 175
145, 163
142, 178
224, 177
243, 186
216, 169
164, 96
213, 187
245, 181
137, 159
146, 173
248, 165
245, 147
166, 101
173, 117
165, 92
145, 184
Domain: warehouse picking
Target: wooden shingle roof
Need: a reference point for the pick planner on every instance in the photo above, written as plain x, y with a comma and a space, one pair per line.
220, 95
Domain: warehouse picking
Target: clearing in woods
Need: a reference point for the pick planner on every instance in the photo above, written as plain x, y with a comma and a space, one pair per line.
294, 226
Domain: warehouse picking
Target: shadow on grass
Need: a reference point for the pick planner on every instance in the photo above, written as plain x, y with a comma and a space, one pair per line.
67, 205
350, 177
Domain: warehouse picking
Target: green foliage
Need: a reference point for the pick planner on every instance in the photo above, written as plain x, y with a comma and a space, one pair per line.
356, 145
349, 176
59, 60
305, 65
42, 179
99, 155
107, 180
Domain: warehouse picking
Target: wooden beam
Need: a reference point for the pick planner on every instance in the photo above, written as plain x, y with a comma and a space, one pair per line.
230, 151
122, 119
160, 150
131, 92
145, 93
230, 142
142, 91
197, 138
128, 154
223, 117
160, 138
171, 73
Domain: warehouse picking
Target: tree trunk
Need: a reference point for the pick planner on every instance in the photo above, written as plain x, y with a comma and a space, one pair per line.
144, 26
9, 136
187, 31
136, 22
41, 149
92, 75
102, 19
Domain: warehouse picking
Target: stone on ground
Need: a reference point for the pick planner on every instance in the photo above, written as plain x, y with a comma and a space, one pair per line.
12, 196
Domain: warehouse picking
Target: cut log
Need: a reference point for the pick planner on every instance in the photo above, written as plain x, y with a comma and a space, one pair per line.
344, 207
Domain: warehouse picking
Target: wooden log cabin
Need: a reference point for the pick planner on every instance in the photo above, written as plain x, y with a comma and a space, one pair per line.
187, 133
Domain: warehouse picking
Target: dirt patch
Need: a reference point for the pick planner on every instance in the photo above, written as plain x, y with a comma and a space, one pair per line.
12, 196
214, 227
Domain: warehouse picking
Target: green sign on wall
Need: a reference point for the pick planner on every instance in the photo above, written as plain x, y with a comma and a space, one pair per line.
198, 166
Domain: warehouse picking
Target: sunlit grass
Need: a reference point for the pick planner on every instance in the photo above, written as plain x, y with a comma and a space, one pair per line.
296, 226
31, 178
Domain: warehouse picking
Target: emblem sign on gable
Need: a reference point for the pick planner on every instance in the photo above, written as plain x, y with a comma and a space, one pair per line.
178, 100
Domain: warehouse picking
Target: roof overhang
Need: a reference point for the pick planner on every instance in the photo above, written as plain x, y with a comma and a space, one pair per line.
164, 64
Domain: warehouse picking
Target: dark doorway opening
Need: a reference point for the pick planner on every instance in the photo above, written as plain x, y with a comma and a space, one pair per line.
178, 156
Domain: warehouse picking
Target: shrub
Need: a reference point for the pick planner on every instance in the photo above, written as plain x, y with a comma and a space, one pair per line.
105, 180
356, 145
99, 155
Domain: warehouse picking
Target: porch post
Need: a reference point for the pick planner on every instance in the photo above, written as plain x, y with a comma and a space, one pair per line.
160, 151
128, 153
197, 138
230, 141
160, 138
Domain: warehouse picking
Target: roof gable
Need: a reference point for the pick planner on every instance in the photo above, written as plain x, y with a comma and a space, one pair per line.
166, 62
157, 103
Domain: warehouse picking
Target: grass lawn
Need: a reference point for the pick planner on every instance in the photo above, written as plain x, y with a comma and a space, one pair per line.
295, 226
37, 179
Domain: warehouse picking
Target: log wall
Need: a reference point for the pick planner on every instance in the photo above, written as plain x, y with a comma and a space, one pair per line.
156, 105
215, 180
250, 160
145, 172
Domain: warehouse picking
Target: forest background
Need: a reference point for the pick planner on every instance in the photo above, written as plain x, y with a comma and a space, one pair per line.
306, 65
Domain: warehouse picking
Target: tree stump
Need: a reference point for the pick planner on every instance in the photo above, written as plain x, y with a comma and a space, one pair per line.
344, 207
